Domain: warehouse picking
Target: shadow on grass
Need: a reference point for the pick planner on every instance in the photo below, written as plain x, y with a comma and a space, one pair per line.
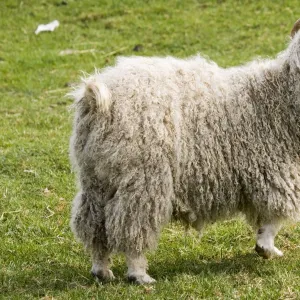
37, 281
55, 277
203, 266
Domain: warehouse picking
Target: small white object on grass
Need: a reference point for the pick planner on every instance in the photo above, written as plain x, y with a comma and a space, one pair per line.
47, 27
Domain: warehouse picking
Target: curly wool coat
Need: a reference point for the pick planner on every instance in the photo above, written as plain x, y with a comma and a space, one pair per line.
160, 137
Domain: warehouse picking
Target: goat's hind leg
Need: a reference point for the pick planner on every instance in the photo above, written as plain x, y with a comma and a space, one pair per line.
137, 269
100, 267
88, 224
100, 253
265, 240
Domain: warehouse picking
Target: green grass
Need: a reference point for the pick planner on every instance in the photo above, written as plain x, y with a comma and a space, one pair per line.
39, 257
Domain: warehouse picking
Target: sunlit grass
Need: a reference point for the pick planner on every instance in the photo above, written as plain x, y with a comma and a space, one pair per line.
39, 257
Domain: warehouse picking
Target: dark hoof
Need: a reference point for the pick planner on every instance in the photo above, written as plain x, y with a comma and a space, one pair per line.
133, 279
103, 276
143, 279
262, 252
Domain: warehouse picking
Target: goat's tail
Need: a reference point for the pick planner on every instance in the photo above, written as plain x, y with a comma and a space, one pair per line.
92, 92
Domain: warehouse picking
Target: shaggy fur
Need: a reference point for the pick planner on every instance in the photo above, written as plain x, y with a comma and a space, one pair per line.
156, 138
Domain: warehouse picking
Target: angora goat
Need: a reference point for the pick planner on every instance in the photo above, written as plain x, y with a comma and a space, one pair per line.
156, 138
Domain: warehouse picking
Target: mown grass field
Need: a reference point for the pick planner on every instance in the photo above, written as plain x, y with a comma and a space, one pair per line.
39, 258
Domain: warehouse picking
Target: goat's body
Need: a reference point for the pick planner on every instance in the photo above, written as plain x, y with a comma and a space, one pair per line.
184, 138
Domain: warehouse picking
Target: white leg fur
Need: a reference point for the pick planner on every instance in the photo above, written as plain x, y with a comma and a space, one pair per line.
100, 268
137, 267
265, 241
199, 226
